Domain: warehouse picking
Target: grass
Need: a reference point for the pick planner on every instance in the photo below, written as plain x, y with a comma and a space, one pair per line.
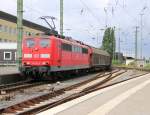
147, 66
118, 63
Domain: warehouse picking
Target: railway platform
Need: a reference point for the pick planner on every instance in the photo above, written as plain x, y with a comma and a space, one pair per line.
9, 74
127, 98
4, 70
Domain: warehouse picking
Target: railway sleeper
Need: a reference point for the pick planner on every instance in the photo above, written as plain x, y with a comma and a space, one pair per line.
9, 110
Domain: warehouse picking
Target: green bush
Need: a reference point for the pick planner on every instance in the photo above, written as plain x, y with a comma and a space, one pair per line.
116, 62
147, 66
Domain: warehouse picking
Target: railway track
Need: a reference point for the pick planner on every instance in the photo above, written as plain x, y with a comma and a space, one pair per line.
131, 68
21, 86
8, 88
56, 97
9, 91
3, 86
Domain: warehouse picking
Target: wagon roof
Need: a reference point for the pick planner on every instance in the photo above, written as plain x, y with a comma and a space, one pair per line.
100, 51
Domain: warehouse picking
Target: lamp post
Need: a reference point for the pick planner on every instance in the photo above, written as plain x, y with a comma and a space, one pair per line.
141, 16
136, 45
141, 35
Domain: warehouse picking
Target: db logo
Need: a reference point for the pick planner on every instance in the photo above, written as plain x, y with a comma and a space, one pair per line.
36, 63
36, 55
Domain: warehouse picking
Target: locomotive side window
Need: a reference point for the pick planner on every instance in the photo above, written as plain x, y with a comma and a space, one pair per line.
45, 42
76, 49
66, 47
73, 48
84, 51
79, 49
30, 42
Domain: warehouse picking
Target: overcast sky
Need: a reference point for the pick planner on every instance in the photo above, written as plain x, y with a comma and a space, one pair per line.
85, 19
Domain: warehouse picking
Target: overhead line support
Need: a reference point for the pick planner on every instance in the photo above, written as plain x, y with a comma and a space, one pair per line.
19, 30
61, 16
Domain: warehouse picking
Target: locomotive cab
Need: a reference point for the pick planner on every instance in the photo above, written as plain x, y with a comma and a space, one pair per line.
36, 56
36, 51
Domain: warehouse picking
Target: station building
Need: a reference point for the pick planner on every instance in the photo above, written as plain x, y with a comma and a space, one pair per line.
8, 53
8, 35
8, 28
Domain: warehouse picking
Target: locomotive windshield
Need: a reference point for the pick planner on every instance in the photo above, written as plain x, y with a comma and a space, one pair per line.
45, 42
30, 42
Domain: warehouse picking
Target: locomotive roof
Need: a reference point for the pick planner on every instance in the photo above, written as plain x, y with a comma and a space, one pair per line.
69, 39
100, 51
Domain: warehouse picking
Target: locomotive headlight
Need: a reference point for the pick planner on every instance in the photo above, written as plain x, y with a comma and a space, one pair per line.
45, 55
28, 63
27, 55
45, 63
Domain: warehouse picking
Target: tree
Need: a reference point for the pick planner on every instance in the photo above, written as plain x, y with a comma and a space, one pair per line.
113, 40
108, 42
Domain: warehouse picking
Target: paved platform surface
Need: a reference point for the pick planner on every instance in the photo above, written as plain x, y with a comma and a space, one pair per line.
128, 98
9, 74
8, 70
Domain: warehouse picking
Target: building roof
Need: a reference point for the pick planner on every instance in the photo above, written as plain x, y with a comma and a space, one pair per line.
4, 45
12, 18
130, 58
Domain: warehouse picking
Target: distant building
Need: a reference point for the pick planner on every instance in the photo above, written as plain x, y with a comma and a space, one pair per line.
8, 28
120, 57
147, 61
8, 36
141, 63
129, 60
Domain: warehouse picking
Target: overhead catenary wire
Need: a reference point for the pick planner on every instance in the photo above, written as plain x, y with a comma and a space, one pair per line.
40, 13
75, 29
90, 11
66, 24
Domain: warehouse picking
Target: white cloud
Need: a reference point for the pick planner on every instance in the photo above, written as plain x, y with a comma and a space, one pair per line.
9, 6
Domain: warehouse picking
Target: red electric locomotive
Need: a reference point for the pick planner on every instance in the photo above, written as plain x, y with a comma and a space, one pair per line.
44, 55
